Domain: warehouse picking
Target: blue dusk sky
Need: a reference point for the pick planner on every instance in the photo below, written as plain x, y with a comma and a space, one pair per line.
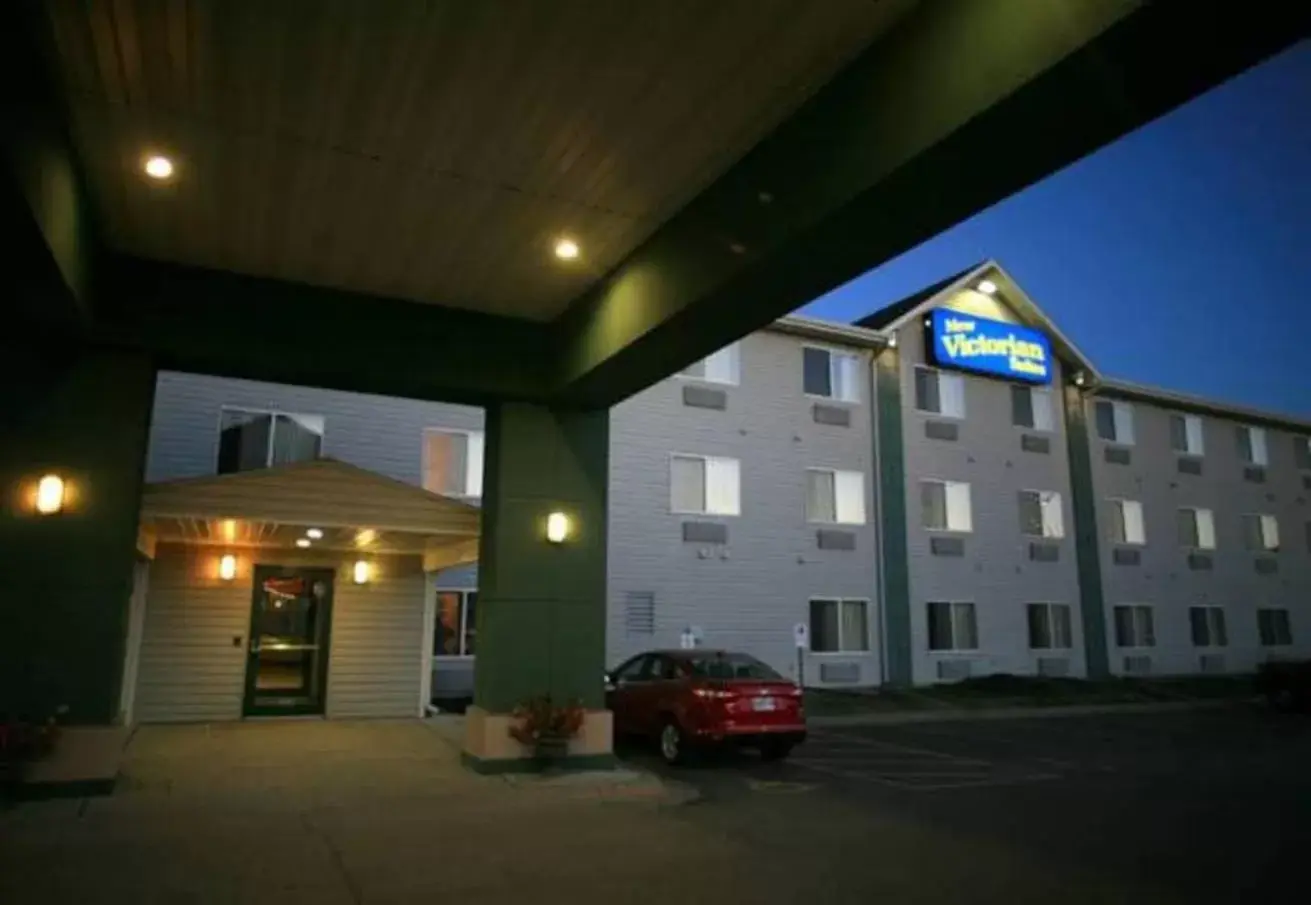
1180, 256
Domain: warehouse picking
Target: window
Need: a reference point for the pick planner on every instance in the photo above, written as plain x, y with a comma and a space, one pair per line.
1049, 626
1031, 407
453, 462
723, 366
1261, 532
251, 439
946, 506
831, 374
1302, 452
1133, 626
1208, 626
456, 628
1251, 445
704, 485
838, 626
1114, 421
1274, 628
939, 392
952, 627
835, 497
728, 666
1186, 434
1127, 522
1197, 529
635, 670
1040, 513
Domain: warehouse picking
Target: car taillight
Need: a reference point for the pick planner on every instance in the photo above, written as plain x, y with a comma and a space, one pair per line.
712, 693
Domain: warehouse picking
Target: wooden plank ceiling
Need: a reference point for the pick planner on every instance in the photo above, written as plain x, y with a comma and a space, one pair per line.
430, 149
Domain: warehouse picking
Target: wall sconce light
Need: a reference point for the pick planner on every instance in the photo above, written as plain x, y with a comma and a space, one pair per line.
362, 571
228, 567
50, 494
557, 527
1078, 378
892, 341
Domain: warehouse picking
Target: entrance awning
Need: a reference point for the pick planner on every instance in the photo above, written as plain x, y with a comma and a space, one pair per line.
355, 509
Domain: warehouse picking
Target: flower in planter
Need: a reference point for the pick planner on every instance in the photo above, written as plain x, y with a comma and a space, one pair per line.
540, 723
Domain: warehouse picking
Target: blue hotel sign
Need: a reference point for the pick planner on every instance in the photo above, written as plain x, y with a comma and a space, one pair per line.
970, 343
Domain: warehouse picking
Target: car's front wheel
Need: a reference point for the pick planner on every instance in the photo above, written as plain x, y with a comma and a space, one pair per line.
775, 750
673, 747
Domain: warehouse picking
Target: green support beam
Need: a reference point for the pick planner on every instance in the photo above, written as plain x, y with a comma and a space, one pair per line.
214, 322
541, 606
65, 579
1092, 603
894, 559
961, 104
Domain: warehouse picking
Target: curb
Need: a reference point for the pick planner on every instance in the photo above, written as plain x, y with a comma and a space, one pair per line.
1013, 713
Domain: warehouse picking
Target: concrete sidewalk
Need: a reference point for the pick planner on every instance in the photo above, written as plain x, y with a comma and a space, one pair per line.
1013, 713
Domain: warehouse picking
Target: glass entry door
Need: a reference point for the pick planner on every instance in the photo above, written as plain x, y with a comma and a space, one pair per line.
290, 621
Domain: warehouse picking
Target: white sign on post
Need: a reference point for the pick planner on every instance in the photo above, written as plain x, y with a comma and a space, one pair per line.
688, 640
801, 635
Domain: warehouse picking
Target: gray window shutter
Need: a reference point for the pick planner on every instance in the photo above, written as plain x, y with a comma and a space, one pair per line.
1030, 513
820, 497
1187, 528
933, 499
1178, 433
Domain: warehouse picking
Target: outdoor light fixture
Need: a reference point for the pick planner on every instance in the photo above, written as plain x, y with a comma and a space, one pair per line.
892, 341
228, 567
314, 533
566, 249
987, 287
50, 494
158, 167
1078, 379
557, 527
361, 572
229, 530
302, 542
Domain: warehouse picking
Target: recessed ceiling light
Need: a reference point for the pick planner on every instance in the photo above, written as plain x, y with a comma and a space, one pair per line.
314, 533
302, 542
158, 167
987, 287
566, 249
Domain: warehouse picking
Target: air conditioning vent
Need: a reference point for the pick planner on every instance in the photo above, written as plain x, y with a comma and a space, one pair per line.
840, 673
1212, 663
954, 670
1053, 666
1138, 665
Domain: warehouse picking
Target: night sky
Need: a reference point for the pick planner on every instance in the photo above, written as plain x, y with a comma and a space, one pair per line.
1179, 256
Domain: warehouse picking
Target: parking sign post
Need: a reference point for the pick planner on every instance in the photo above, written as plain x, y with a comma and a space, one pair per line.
801, 637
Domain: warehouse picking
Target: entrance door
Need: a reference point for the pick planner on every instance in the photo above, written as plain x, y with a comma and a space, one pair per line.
290, 622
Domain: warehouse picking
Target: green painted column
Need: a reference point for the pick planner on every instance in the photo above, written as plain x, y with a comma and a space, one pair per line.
895, 564
1091, 599
541, 606
65, 579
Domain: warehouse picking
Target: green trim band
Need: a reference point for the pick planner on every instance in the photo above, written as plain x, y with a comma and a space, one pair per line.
1092, 602
891, 458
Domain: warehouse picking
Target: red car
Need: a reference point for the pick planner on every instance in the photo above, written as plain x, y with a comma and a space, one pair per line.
690, 698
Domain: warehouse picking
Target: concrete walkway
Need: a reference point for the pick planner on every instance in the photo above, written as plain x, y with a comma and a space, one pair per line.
904, 717
329, 812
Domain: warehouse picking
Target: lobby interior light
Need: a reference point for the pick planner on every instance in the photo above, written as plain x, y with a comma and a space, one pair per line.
566, 249
50, 494
228, 567
314, 533
302, 542
987, 287
557, 527
158, 167
361, 572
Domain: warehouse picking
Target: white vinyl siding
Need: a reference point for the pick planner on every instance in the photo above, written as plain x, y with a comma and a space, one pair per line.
946, 506
1127, 525
704, 485
835, 497
723, 366
1114, 421
831, 374
1252, 446
1197, 529
839, 626
939, 392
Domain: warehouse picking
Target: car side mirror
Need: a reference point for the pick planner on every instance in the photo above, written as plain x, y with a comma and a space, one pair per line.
609, 682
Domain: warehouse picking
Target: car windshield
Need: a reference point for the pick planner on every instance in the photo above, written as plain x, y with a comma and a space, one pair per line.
730, 666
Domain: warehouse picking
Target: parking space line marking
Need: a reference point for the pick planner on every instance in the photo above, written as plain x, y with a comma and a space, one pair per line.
924, 752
